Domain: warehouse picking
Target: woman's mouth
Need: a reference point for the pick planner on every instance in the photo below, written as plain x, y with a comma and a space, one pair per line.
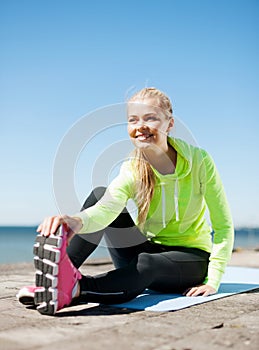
143, 137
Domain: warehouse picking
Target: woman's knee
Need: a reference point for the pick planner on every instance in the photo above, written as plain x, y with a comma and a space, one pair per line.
96, 194
145, 262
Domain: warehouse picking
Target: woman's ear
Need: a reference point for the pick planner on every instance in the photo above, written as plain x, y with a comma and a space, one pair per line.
171, 124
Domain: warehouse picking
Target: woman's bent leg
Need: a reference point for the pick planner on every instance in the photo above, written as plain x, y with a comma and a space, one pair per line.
168, 272
121, 237
82, 246
124, 243
187, 268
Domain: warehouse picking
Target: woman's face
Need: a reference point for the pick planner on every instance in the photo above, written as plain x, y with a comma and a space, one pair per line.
148, 126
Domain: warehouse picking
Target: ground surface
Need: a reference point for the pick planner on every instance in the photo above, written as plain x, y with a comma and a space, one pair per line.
229, 323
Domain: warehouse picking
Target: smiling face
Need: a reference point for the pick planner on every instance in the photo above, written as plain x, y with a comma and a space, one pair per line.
148, 125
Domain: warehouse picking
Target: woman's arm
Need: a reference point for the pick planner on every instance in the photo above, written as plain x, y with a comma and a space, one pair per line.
221, 221
99, 215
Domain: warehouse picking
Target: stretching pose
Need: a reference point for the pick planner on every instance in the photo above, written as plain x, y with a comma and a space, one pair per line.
170, 246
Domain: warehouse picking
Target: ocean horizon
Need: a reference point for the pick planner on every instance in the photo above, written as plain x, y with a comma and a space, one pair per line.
16, 243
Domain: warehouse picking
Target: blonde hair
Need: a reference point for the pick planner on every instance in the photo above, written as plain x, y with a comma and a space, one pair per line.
145, 181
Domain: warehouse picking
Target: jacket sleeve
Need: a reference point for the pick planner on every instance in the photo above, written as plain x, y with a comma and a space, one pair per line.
221, 220
106, 210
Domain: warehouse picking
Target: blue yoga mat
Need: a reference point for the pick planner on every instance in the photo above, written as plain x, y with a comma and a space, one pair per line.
235, 280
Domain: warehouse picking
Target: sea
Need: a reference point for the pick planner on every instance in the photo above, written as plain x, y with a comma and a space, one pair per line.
16, 243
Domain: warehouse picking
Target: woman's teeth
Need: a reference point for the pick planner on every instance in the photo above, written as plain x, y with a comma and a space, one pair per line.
143, 137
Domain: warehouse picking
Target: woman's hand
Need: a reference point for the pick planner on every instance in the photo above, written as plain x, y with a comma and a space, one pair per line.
202, 290
51, 224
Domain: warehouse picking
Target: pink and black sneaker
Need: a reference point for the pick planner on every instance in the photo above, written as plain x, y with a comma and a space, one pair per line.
54, 272
26, 295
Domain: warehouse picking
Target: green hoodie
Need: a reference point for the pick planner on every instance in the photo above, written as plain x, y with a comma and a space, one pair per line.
176, 213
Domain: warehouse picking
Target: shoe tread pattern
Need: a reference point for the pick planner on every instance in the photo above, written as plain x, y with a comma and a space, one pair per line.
45, 262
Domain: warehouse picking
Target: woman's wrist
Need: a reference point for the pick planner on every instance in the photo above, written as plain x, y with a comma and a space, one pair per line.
82, 219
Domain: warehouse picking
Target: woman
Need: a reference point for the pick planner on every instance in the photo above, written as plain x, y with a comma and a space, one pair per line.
170, 247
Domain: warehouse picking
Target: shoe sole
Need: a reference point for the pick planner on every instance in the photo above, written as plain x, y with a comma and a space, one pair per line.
47, 256
27, 301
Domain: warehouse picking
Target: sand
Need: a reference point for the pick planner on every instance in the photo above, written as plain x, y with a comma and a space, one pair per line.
229, 323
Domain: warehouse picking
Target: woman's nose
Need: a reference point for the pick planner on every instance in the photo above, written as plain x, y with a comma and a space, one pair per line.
141, 125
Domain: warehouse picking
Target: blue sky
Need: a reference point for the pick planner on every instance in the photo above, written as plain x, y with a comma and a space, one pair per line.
62, 60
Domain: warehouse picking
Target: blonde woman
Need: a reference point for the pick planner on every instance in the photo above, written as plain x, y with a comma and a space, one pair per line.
169, 248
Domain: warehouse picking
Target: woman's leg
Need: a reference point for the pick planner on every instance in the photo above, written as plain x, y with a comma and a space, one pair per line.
165, 271
121, 237
124, 243
82, 246
188, 267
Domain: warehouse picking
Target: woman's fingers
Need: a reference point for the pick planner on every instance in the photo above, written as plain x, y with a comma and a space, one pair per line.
203, 290
39, 229
57, 221
50, 225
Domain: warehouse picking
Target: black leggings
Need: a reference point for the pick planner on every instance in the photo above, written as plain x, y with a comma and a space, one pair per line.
139, 263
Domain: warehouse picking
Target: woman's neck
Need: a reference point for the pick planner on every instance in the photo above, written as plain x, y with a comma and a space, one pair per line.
164, 161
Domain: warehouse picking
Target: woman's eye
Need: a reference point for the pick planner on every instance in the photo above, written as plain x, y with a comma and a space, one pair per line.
151, 117
131, 120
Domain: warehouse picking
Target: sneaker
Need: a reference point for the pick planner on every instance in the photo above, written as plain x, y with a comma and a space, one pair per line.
26, 295
54, 272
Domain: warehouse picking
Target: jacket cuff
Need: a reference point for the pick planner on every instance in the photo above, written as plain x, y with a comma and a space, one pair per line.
84, 219
213, 279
